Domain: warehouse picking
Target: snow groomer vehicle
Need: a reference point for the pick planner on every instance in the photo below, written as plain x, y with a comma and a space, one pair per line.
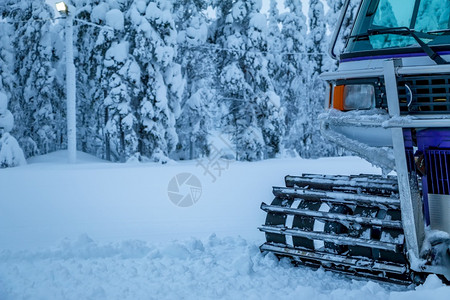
389, 103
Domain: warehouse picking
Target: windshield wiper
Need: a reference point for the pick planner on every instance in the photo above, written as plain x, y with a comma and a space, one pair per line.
439, 31
406, 31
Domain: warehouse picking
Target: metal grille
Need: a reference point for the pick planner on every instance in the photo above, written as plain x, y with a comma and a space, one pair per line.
424, 94
438, 169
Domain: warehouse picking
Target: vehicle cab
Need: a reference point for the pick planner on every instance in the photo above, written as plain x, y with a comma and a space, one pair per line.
389, 102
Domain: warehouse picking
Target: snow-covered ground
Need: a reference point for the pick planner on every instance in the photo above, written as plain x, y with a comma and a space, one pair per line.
97, 230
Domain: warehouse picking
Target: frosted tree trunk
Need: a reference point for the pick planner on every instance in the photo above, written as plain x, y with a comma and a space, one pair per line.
71, 96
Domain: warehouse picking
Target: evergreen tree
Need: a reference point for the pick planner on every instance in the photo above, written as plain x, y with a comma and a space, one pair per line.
197, 60
153, 79
38, 94
7, 77
313, 144
254, 111
275, 46
153, 37
121, 84
294, 73
92, 43
11, 154
317, 42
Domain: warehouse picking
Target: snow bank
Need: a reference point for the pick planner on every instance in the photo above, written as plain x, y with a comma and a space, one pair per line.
213, 268
97, 230
49, 200
60, 159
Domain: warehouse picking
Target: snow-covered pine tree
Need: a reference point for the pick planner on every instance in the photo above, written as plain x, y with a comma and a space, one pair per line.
293, 73
198, 62
11, 155
120, 82
268, 105
275, 46
38, 93
106, 117
254, 114
91, 50
153, 38
6, 58
313, 144
317, 42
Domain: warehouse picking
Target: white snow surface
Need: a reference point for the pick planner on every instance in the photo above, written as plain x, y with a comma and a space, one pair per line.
98, 230
259, 21
99, 12
117, 52
115, 19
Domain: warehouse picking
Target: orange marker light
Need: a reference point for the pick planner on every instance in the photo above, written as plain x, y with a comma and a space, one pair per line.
338, 97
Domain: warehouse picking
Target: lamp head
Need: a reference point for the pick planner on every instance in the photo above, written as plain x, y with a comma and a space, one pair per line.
62, 8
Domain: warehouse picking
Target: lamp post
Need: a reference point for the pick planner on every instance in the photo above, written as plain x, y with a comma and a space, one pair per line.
70, 84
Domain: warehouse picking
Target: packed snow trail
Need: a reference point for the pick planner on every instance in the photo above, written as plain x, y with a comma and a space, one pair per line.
49, 200
98, 230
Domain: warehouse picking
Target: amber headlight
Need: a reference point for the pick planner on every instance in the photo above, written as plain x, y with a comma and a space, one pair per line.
353, 96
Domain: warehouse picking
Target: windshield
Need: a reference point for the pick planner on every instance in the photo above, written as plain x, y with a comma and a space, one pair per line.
429, 19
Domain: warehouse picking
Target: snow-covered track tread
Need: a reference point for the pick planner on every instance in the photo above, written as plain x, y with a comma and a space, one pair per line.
347, 224
327, 216
361, 262
350, 183
337, 197
394, 246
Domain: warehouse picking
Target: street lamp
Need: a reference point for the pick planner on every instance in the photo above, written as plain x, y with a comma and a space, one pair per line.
70, 84
62, 8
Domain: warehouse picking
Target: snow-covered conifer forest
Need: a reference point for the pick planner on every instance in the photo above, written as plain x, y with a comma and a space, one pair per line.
158, 79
